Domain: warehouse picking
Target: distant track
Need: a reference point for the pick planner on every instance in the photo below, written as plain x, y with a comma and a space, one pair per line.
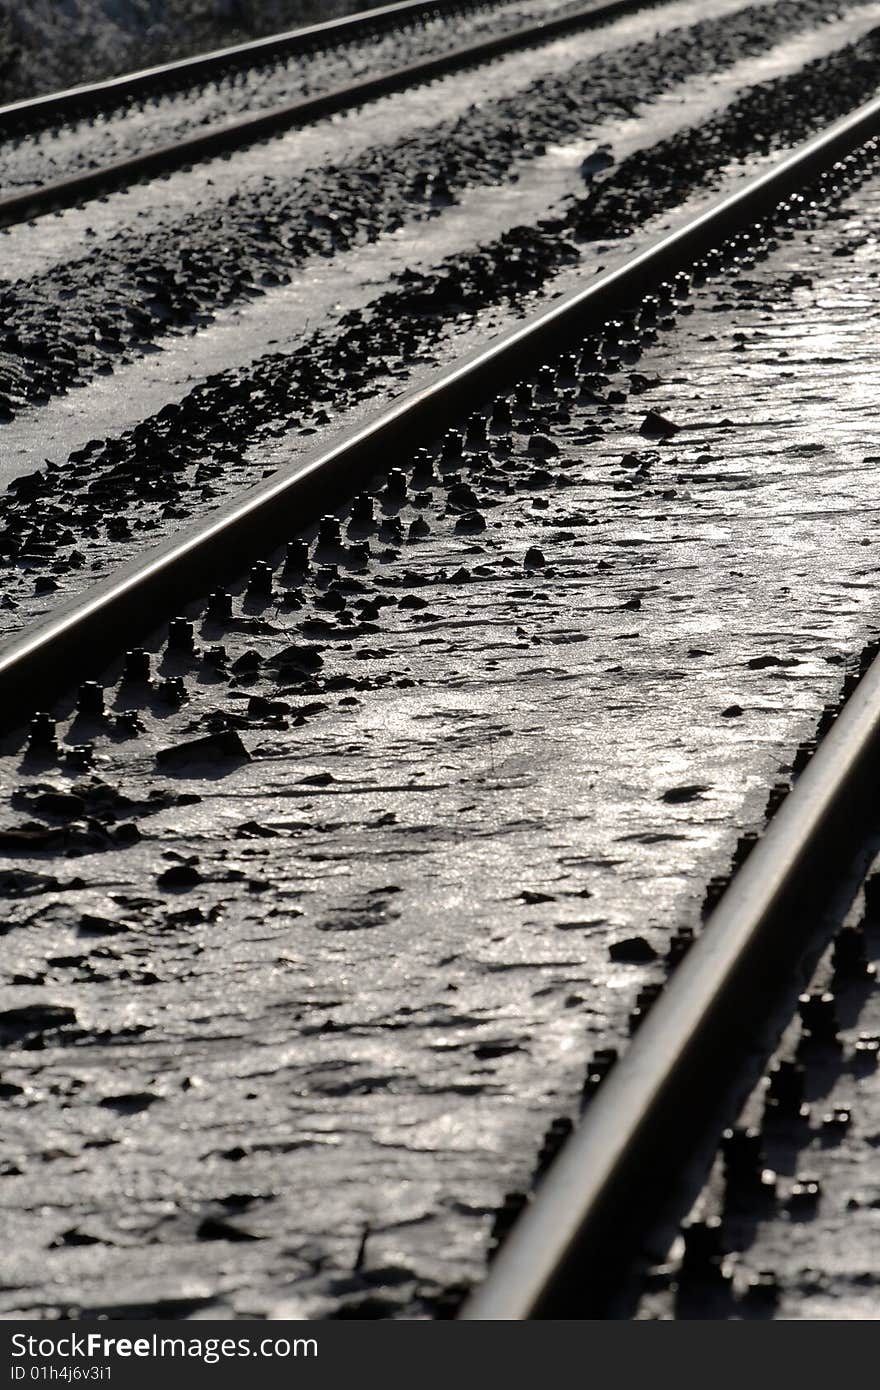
66, 106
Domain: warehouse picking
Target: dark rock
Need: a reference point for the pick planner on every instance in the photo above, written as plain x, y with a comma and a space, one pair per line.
92, 925
677, 795
125, 834
462, 498
306, 657
180, 876
220, 747
29, 1019
656, 424
760, 663
74, 1237
22, 883
130, 1104
487, 1051
540, 444
633, 950
216, 1228
248, 661
252, 830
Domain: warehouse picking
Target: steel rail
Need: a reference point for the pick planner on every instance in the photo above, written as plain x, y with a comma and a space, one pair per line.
61, 193
46, 659
574, 1243
561, 1258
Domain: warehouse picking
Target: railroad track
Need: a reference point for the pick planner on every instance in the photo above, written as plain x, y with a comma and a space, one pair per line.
287, 655
572, 1246
221, 139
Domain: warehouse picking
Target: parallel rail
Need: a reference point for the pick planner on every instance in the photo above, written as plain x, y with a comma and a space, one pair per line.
573, 1249
566, 1254
163, 159
42, 663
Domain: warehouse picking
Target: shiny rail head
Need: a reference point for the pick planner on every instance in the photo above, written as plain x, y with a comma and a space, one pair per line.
563, 1248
